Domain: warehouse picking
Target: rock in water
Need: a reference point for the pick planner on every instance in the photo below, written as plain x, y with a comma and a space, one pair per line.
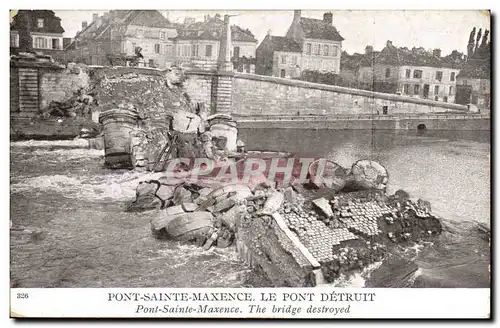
174, 210
324, 206
146, 198
272, 204
424, 205
232, 216
181, 195
165, 192
366, 174
161, 220
189, 226
189, 207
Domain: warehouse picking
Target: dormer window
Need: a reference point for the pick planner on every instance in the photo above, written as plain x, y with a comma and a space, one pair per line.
39, 22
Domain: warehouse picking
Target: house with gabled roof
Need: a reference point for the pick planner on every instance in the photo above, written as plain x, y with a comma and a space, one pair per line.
278, 56
37, 30
198, 43
120, 33
315, 43
414, 73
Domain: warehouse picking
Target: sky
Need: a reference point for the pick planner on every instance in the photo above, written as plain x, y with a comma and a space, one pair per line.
447, 30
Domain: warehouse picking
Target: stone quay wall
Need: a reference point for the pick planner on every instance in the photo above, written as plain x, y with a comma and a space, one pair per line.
264, 95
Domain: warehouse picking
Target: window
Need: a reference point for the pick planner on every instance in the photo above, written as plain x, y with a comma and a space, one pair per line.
39, 22
247, 68
157, 48
194, 50
465, 82
168, 50
439, 75
416, 89
133, 47
40, 43
283, 59
294, 60
436, 89
451, 91
208, 50
282, 73
385, 109
406, 89
151, 63
417, 74
445, 99
55, 44
335, 51
308, 48
387, 72
316, 49
408, 73
452, 76
236, 52
185, 50
14, 40
162, 35
326, 50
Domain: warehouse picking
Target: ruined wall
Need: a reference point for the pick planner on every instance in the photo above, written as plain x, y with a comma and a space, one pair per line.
60, 85
271, 247
200, 87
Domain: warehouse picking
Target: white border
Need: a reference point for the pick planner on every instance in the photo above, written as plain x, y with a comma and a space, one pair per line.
188, 4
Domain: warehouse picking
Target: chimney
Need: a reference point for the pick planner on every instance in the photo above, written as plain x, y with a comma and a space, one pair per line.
388, 43
84, 25
437, 53
328, 18
368, 49
94, 17
269, 32
296, 15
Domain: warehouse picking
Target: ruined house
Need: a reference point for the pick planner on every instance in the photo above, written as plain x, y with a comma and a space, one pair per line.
197, 44
311, 44
120, 33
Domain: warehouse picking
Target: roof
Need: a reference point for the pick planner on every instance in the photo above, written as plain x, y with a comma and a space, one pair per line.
395, 56
51, 24
350, 61
281, 43
318, 29
476, 69
211, 29
150, 18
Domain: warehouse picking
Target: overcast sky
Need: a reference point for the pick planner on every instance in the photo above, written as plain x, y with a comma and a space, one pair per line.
447, 30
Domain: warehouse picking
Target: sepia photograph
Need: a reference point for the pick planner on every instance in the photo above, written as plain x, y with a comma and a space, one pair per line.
337, 149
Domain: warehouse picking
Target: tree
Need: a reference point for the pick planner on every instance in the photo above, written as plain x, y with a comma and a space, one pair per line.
470, 44
478, 39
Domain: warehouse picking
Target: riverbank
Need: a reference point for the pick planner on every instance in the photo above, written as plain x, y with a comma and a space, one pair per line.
444, 121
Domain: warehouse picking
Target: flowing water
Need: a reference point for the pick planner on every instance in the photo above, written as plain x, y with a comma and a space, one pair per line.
83, 238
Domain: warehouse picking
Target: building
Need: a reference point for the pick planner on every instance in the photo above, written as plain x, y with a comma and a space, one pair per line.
349, 67
36, 30
474, 80
474, 84
315, 43
279, 56
120, 33
197, 44
414, 73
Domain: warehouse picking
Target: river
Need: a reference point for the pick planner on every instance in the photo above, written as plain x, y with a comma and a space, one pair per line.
83, 237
